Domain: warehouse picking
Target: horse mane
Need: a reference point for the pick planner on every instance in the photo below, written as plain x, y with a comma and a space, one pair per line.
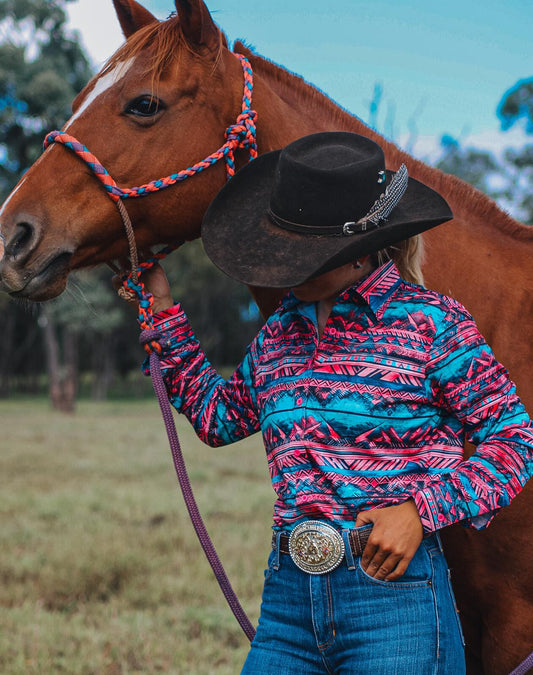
467, 200
165, 40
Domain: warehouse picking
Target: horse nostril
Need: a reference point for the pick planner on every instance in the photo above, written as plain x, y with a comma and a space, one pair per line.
20, 240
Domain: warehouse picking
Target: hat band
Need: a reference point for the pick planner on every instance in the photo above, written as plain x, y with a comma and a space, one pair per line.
379, 212
328, 230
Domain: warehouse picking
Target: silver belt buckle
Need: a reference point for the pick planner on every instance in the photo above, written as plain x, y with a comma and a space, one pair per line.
316, 547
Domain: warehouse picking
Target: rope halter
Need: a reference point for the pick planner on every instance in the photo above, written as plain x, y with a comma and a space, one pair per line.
242, 134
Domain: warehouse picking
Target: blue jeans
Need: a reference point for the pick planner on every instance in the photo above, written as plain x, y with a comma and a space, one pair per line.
347, 623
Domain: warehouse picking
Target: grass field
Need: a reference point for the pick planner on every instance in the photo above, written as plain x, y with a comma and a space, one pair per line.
101, 570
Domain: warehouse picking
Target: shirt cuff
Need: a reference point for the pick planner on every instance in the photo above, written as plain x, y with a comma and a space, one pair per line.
166, 318
437, 511
428, 511
175, 331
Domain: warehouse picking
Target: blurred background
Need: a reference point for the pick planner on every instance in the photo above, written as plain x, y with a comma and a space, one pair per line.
100, 569
453, 87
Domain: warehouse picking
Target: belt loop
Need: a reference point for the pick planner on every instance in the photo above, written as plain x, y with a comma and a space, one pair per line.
348, 549
277, 552
433, 542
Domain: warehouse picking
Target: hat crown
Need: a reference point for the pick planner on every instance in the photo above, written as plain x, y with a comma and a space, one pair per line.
323, 201
327, 179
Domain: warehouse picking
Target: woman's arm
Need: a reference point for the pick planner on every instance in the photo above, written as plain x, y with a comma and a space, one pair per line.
465, 380
220, 411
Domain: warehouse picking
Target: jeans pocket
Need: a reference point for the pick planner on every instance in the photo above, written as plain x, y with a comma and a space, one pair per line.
419, 573
402, 583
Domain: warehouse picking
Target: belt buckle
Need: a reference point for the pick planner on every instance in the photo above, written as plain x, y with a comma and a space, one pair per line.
316, 547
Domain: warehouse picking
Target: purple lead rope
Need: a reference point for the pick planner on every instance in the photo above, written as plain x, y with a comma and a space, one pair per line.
524, 667
146, 337
242, 134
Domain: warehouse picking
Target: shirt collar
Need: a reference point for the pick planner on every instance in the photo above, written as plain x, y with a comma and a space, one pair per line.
375, 289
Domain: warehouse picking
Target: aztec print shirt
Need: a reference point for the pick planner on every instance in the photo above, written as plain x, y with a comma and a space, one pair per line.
374, 413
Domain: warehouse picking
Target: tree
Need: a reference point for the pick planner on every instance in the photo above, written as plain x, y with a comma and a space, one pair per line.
42, 68
509, 178
517, 106
221, 311
473, 165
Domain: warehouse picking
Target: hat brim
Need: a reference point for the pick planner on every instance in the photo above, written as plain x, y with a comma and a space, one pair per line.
241, 239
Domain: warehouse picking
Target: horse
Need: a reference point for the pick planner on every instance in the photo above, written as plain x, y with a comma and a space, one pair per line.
164, 99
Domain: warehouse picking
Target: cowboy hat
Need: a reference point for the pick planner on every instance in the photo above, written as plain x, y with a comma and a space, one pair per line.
323, 201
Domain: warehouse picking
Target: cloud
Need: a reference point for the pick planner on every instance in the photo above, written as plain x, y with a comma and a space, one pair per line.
427, 147
101, 35
98, 26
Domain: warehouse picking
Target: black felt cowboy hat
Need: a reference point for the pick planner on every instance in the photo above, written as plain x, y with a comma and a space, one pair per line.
321, 202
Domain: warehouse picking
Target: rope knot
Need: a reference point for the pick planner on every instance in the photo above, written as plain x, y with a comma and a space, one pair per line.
149, 340
242, 133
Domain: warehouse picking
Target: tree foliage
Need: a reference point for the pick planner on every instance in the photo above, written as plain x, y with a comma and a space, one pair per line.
221, 310
508, 178
473, 165
88, 329
42, 68
516, 105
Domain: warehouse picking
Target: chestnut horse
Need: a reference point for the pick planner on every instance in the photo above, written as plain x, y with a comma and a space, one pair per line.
162, 103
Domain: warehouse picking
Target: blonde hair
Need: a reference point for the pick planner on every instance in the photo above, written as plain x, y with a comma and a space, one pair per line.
408, 255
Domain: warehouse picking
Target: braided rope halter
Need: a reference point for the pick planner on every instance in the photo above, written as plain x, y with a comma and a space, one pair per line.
242, 134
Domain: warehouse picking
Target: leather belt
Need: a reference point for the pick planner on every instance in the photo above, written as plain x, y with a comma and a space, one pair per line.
317, 547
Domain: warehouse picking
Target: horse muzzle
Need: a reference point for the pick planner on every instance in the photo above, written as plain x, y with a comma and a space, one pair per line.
44, 283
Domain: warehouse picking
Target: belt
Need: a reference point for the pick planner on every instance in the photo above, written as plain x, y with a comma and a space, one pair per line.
317, 547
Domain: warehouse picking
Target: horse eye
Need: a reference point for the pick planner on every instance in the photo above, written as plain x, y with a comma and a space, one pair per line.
144, 106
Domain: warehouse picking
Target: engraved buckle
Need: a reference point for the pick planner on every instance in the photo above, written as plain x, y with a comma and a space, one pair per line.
316, 547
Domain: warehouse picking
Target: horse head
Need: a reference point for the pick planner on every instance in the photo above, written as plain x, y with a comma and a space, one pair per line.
159, 105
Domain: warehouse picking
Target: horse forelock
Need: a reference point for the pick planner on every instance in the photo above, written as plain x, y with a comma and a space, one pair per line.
163, 41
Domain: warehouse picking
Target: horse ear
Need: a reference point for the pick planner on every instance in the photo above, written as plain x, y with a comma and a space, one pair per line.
132, 16
196, 24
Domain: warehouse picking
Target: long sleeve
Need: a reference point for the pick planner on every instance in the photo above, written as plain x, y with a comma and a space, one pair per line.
220, 411
464, 379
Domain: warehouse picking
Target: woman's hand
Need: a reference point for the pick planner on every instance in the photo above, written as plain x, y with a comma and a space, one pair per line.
395, 538
155, 282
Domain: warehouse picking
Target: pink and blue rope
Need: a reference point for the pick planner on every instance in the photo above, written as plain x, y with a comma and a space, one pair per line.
242, 134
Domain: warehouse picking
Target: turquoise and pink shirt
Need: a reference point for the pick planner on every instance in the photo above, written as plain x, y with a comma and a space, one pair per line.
375, 412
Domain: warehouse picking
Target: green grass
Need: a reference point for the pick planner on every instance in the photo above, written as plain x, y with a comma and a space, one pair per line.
101, 569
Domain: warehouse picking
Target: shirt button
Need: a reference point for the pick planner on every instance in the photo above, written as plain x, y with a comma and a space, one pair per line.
299, 400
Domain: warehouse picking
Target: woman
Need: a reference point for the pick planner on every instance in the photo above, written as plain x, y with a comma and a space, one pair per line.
365, 386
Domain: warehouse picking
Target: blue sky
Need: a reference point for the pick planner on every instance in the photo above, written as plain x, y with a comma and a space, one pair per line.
442, 65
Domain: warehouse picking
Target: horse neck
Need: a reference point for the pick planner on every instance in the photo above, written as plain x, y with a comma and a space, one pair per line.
288, 108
